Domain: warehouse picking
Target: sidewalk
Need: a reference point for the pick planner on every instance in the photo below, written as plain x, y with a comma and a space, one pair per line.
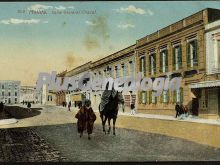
190, 118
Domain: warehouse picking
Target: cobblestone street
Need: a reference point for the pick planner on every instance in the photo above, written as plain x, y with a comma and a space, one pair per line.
25, 145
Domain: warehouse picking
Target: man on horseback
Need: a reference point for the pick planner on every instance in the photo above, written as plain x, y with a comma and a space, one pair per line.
108, 107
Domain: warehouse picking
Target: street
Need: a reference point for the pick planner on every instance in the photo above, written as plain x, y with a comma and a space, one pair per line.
137, 139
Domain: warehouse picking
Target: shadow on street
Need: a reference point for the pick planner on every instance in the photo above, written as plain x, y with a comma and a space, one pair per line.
21, 113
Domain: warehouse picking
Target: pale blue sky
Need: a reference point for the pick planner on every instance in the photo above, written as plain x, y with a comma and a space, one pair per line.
33, 43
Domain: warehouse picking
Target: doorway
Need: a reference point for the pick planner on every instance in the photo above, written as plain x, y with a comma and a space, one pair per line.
195, 106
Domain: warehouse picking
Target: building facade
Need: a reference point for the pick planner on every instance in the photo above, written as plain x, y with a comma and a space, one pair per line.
77, 96
30, 94
179, 48
48, 96
119, 64
10, 91
188, 49
209, 101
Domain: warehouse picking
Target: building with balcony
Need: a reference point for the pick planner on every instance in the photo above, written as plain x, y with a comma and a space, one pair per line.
10, 91
179, 48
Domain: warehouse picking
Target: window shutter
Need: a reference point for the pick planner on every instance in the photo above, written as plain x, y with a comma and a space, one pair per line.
146, 100
161, 62
149, 67
139, 97
166, 69
174, 96
180, 57
150, 97
144, 66
140, 64
155, 64
161, 97
168, 96
195, 55
181, 94
174, 58
188, 55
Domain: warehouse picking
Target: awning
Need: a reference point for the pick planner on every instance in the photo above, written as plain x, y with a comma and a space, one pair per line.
205, 84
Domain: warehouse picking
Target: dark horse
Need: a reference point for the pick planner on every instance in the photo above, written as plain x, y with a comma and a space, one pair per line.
110, 111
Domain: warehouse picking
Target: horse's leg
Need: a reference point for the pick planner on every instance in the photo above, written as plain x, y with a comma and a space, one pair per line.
109, 125
101, 116
104, 124
114, 121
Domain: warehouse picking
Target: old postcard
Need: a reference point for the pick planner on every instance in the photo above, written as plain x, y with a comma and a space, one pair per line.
109, 81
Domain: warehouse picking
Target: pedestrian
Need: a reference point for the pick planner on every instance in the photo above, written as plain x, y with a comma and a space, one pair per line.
69, 105
1, 107
86, 118
29, 106
132, 105
177, 108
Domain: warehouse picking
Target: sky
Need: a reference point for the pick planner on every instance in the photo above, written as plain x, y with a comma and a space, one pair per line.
55, 36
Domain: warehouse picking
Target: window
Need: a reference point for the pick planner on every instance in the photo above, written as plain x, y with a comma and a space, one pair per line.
165, 96
15, 93
164, 60
118, 70
3, 87
178, 96
131, 63
3, 93
110, 71
153, 99
143, 65
143, 97
16, 100
125, 70
152, 64
49, 98
192, 59
9, 93
177, 57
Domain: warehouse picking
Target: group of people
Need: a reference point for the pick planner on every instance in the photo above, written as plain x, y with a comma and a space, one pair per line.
181, 110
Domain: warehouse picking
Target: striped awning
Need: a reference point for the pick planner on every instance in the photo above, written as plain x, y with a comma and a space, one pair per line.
205, 84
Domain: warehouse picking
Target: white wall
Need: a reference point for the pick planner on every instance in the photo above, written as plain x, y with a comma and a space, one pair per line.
211, 46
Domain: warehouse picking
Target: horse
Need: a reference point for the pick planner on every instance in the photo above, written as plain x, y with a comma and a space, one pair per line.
110, 111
